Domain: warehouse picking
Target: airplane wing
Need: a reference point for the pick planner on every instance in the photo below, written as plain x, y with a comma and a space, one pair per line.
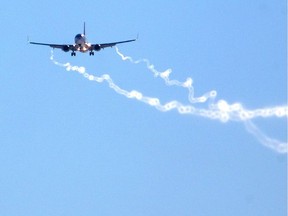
105, 45
64, 47
68, 47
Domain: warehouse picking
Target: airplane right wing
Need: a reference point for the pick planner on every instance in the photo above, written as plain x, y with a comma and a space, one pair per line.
98, 47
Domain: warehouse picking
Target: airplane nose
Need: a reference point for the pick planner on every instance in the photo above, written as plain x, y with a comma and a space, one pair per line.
78, 36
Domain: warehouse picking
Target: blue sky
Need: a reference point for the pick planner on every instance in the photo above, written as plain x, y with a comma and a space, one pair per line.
70, 146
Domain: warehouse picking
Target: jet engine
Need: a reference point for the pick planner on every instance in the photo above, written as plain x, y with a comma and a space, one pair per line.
97, 47
65, 48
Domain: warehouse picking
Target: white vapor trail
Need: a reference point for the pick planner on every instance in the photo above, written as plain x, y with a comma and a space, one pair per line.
220, 110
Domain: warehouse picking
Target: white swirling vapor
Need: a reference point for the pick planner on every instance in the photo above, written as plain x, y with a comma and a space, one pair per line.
220, 110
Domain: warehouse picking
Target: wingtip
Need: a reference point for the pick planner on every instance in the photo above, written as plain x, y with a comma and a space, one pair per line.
84, 31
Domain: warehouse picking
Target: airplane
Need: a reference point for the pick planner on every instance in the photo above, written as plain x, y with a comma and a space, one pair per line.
82, 45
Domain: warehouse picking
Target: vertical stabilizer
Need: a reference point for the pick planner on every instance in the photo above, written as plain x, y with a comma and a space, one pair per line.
84, 32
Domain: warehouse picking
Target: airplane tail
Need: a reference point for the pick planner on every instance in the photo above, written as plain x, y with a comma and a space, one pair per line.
84, 29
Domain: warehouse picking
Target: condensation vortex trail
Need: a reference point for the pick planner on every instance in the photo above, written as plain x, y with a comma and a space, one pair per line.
220, 110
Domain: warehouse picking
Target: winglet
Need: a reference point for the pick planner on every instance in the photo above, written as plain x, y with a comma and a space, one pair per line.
84, 29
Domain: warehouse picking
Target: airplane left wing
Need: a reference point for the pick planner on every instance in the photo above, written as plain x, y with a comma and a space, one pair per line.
64, 47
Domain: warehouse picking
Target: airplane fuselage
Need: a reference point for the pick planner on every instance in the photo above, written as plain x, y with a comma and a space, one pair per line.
81, 43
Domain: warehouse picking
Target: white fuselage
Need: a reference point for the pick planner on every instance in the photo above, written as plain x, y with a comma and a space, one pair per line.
81, 43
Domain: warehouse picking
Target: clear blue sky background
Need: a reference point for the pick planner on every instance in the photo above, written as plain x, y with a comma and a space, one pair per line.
69, 146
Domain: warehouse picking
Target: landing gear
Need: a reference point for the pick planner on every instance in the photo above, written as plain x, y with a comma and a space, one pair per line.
91, 53
73, 54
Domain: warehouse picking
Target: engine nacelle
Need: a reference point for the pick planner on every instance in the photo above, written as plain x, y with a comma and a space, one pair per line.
65, 48
97, 47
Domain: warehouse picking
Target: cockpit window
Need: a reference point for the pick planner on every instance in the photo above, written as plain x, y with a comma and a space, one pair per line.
78, 36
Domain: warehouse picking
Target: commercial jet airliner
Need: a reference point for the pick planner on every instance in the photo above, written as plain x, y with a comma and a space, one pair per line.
82, 45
